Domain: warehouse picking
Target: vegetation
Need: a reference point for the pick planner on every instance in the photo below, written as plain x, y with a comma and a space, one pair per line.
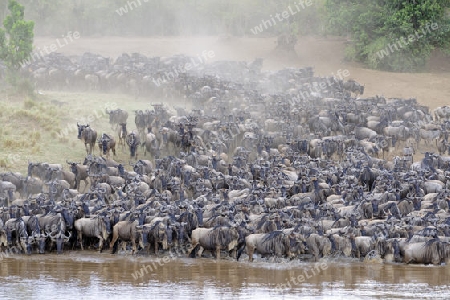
16, 39
378, 29
16, 44
169, 17
371, 25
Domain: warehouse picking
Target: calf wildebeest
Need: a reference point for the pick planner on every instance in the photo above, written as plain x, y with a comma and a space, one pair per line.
106, 143
126, 231
80, 172
122, 134
133, 141
87, 135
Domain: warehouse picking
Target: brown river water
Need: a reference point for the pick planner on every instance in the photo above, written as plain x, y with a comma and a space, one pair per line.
91, 275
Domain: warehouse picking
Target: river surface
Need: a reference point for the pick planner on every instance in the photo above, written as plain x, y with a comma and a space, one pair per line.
90, 275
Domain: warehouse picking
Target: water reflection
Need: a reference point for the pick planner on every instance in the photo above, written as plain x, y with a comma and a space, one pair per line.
90, 275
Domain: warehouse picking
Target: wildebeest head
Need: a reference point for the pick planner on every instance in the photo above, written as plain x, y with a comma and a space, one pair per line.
133, 142
59, 238
25, 243
143, 232
40, 241
161, 232
107, 222
169, 234
296, 245
80, 130
30, 168
68, 218
104, 143
199, 216
3, 239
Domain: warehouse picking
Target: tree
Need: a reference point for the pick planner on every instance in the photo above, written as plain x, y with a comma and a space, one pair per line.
391, 35
16, 39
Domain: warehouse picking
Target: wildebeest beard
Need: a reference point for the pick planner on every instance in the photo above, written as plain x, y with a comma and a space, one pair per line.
104, 146
80, 129
133, 149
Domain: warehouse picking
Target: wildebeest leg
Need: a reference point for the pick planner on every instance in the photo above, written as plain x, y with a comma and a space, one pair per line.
200, 251
191, 251
218, 252
250, 251
156, 248
80, 238
133, 246
100, 244
234, 253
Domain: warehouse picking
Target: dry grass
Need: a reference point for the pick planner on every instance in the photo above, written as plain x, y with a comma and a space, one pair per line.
37, 130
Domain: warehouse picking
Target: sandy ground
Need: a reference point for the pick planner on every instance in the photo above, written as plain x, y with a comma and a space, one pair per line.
326, 55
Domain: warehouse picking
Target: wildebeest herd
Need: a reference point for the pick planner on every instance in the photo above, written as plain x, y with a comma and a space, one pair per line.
280, 164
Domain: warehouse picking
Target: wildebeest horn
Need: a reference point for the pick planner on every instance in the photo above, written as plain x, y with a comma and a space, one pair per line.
67, 238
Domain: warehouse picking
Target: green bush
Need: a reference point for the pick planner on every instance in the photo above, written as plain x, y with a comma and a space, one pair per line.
374, 25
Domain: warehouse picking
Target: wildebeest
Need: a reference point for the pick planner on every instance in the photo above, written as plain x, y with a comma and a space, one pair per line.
158, 231
273, 243
122, 134
133, 141
15, 227
125, 231
15, 178
7, 189
88, 136
430, 252
442, 112
117, 116
143, 167
151, 144
215, 239
107, 143
80, 172
42, 170
98, 227
354, 87
59, 237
